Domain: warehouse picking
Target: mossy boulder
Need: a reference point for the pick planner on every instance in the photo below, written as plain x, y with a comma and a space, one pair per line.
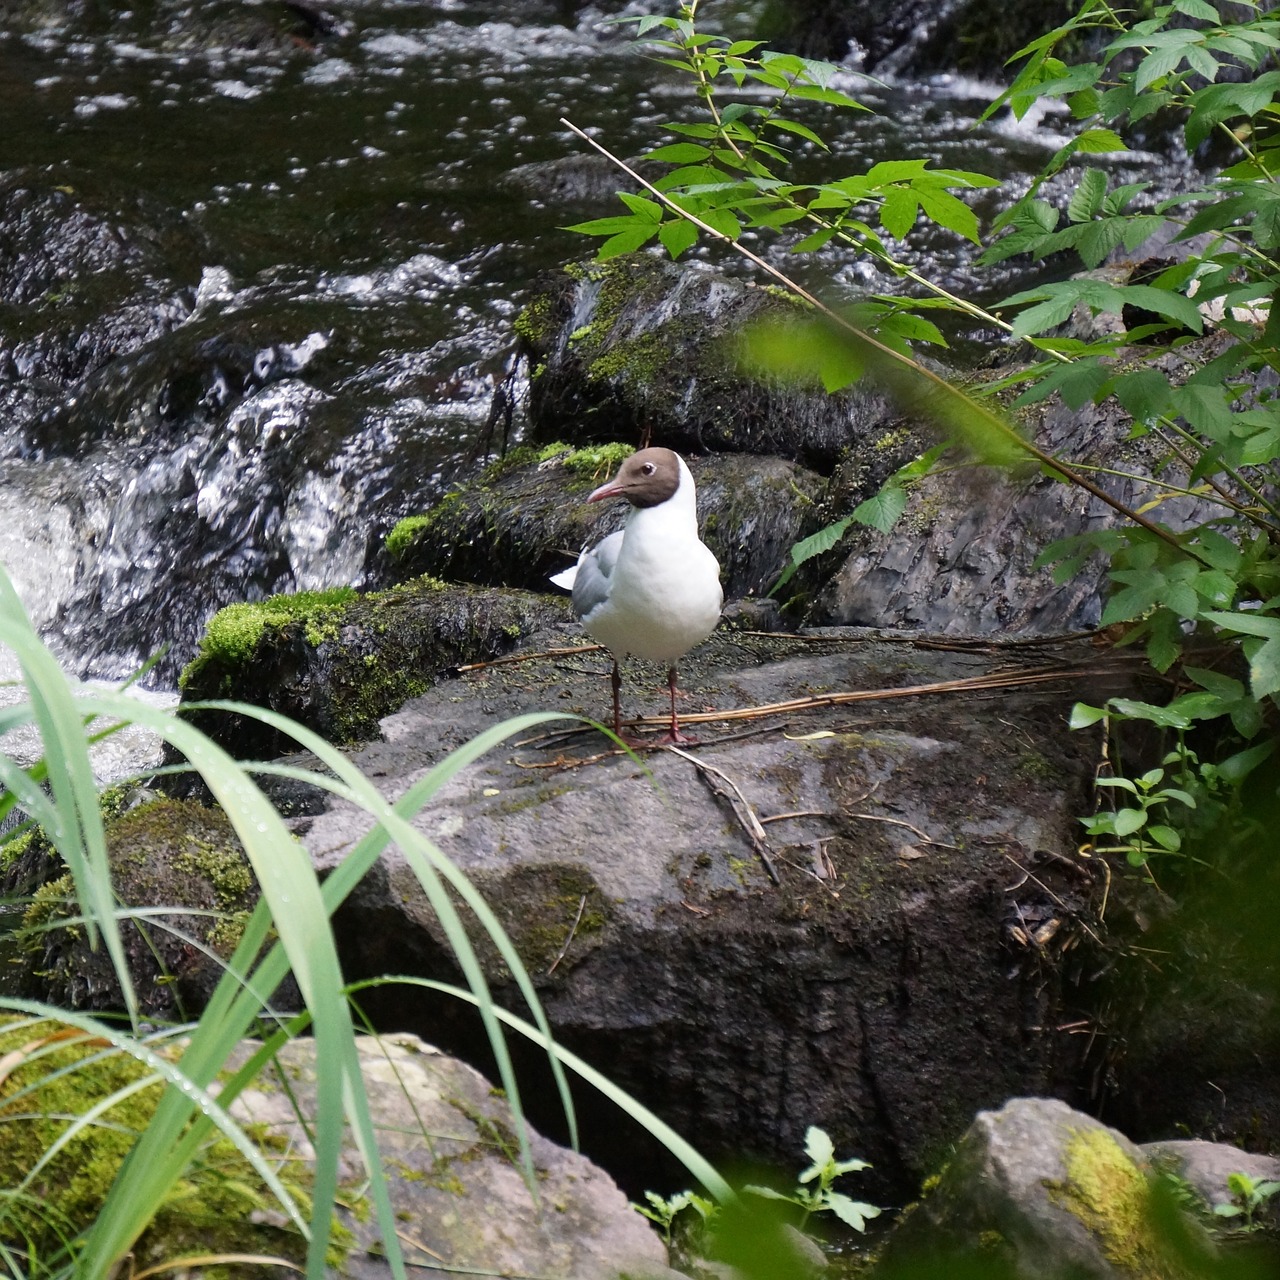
337, 662
1039, 1191
174, 855
641, 345
527, 520
54, 1076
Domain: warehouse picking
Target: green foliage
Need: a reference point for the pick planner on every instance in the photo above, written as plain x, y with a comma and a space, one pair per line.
1249, 1195
822, 1172
663, 1212
1148, 814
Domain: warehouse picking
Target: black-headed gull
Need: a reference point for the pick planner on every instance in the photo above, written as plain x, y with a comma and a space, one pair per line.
652, 589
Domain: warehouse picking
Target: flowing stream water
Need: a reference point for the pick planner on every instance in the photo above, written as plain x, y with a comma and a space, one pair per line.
257, 281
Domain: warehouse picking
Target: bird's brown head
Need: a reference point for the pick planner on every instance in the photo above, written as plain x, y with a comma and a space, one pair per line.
645, 479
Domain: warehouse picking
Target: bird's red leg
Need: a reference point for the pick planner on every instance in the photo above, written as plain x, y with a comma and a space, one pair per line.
616, 680
675, 735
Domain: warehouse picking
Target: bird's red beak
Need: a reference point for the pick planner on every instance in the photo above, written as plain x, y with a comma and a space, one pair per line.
610, 490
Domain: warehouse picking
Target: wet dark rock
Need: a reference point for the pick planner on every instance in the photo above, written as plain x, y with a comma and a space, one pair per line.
1038, 1191
879, 989
896, 36
519, 523
642, 345
86, 276
280, 27
172, 854
339, 666
961, 559
577, 180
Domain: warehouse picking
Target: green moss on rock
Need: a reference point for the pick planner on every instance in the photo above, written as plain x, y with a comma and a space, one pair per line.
1111, 1196
55, 1077
234, 632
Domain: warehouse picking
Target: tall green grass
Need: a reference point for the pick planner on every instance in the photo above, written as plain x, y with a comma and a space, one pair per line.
288, 932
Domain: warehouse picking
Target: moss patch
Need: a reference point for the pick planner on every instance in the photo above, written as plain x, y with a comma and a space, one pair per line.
234, 632
57, 1076
1111, 1196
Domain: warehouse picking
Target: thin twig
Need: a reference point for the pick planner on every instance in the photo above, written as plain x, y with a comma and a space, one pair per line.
529, 657
742, 809
800, 813
577, 920
1038, 675
898, 822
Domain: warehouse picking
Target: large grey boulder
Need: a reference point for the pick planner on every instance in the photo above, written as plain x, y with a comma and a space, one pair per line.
905, 968
448, 1149
1039, 1191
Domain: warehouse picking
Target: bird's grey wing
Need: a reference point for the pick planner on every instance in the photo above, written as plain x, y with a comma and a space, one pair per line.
595, 569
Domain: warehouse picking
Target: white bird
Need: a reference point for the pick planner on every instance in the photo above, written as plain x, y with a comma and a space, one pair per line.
653, 588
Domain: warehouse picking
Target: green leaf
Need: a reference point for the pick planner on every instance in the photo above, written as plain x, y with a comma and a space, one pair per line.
797, 129
680, 153
645, 209
1099, 142
853, 1213
947, 211
831, 97
818, 1147
898, 212
1083, 715
883, 510
677, 235
722, 220
1144, 394
1166, 837
604, 226
1127, 821
1197, 9
1087, 198
1055, 310
625, 242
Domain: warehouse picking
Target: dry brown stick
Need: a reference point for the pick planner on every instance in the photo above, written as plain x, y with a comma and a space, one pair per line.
1039, 675
577, 920
742, 809
529, 657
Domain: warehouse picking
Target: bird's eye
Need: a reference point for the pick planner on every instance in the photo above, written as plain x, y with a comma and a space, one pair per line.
648, 468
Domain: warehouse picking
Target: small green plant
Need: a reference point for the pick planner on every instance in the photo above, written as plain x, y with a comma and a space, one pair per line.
1249, 1195
823, 1170
663, 1211
1182, 795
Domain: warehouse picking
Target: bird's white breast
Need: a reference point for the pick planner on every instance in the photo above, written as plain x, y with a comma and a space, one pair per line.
664, 591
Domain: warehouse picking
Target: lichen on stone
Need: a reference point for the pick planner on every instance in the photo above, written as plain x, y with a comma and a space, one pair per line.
1107, 1192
